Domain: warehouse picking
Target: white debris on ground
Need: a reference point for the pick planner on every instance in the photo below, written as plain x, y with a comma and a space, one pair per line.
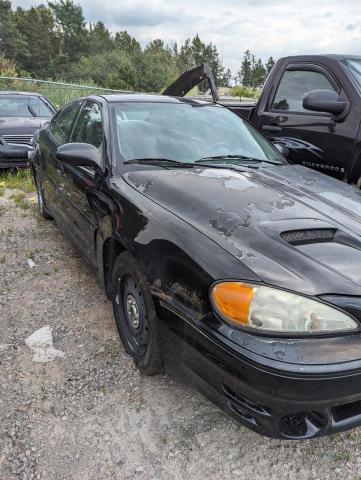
41, 344
31, 263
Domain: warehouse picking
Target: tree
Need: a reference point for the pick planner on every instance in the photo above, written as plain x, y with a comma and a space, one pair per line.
37, 27
245, 74
12, 43
269, 65
157, 67
225, 79
194, 52
253, 73
258, 74
70, 21
7, 67
123, 41
112, 69
99, 38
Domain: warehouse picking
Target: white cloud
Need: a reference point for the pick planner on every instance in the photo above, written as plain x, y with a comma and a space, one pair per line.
266, 27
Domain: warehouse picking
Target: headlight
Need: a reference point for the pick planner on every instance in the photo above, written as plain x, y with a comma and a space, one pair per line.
266, 308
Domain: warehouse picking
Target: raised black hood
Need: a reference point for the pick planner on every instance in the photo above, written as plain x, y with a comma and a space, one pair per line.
248, 213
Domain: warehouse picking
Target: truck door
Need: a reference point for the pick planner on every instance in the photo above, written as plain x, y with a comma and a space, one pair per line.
313, 139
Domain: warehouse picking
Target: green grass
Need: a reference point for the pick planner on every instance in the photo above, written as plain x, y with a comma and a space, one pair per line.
20, 200
19, 179
342, 457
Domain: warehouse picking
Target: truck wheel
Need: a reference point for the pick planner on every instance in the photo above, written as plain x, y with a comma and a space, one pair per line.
135, 314
44, 212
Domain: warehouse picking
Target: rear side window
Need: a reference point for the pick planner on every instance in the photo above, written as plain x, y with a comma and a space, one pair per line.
88, 128
293, 87
60, 126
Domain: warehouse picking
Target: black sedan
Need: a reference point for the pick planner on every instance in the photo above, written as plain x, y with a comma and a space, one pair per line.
232, 269
21, 114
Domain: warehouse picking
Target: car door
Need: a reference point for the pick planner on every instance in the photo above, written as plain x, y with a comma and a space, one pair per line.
314, 139
51, 170
80, 182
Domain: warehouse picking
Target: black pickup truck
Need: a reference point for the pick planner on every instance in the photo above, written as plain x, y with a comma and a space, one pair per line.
310, 106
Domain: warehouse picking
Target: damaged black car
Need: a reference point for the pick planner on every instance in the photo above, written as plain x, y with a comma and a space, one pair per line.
232, 269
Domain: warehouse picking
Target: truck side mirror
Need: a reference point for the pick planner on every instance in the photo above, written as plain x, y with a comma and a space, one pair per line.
325, 101
282, 149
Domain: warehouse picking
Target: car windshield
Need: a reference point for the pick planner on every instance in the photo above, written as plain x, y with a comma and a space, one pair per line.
187, 132
23, 106
353, 66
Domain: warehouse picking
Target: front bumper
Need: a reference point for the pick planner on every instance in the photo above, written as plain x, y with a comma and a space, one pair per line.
273, 397
14, 156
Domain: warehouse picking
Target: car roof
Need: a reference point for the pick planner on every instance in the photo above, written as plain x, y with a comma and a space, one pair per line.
331, 56
147, 97
14, 92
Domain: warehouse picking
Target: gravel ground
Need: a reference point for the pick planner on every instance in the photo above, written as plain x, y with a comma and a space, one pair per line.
91, 415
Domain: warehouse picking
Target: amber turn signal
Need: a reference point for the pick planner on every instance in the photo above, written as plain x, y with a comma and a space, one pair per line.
232, 300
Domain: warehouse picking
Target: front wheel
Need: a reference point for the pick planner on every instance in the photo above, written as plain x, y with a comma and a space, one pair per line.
135, 314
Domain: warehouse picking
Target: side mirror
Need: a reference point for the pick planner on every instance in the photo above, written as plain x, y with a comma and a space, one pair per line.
282, 149
325, 101
80, 154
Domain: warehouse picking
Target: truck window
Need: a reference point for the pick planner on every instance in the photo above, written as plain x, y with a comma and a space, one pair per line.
293, 87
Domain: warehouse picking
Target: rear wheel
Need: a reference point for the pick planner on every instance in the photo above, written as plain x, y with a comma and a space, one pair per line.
135, 314
44, 212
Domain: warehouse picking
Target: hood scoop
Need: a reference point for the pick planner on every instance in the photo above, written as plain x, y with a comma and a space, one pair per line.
306, 236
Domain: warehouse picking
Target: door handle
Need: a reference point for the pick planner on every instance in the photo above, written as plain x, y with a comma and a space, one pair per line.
271, 128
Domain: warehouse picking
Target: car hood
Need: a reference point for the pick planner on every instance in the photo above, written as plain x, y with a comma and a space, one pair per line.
248, 212
21, 125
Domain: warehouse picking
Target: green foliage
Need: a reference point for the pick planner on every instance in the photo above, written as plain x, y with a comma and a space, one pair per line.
7, 67
194, 52
253, 73
248, 92
37, 28
20, 180
113, 69
53, 41
157, 67
12, 42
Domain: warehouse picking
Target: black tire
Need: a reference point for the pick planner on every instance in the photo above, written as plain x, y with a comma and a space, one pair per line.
135, 314
44, 212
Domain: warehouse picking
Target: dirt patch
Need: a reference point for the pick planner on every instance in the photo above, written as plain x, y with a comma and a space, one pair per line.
92, 415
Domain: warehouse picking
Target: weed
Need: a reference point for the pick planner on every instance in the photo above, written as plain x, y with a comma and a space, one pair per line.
20, 200
18, 179
342, 457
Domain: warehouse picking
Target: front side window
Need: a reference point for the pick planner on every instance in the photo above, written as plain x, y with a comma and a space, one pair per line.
353, 66
44, 109
62, 122
294, 85
88, 127
186, 132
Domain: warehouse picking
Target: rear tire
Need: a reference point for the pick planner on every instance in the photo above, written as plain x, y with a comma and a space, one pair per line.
135, 314
44, 212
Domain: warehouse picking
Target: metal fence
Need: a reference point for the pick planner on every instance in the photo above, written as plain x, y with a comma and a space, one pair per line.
58, 93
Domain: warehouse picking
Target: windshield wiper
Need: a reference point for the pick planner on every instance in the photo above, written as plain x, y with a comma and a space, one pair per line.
159, 161
234, 157
32, 111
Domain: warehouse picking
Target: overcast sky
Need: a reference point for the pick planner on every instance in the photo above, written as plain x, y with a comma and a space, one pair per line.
266, 27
